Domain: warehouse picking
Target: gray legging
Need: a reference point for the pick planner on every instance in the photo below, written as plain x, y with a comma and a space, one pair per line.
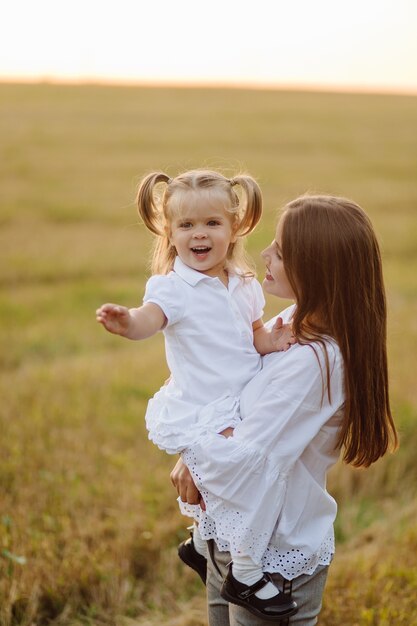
307, 591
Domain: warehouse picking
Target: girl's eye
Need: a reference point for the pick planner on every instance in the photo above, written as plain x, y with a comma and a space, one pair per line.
213, 223
185, 225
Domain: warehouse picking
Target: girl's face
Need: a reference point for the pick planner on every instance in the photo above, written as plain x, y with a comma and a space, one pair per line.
276, 281
202, 233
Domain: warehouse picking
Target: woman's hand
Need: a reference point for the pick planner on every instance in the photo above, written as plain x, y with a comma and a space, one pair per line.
184, 484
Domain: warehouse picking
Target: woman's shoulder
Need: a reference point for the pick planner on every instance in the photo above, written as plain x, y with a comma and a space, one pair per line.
304, 358
286, 315
327, 342
301, 373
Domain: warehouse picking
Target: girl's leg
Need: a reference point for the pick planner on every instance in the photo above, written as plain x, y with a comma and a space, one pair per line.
245, 571
200, 544
307, 591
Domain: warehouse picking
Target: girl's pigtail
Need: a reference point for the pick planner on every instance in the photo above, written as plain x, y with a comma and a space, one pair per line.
252, 211
148, 208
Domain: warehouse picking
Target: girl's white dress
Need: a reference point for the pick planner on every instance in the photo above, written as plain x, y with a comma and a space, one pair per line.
209, 350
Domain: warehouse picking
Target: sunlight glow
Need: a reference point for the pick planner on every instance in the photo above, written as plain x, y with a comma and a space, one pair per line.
369, 44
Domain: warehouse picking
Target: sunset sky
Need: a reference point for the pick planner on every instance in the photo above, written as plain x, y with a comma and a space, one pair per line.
364, 44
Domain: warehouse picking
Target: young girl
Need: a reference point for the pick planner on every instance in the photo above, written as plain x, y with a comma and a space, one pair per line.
204, 297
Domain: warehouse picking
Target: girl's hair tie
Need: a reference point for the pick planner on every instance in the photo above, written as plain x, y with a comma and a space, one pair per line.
233, 182
169, 181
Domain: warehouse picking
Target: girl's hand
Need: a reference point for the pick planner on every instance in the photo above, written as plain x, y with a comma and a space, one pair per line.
184, 484
116, 319
281, 336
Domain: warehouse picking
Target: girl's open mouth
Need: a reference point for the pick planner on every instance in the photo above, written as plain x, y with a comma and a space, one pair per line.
201, 250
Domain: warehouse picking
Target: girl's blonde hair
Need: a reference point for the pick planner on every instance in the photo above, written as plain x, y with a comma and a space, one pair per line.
157, 211
333, 263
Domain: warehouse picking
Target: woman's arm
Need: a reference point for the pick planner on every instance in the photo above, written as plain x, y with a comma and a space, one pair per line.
288, 402
136, 323
283, 409
183, 481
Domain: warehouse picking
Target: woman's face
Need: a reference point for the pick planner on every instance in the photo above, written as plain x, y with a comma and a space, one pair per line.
276, 281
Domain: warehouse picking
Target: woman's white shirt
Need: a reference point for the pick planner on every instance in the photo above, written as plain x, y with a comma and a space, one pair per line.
265, 487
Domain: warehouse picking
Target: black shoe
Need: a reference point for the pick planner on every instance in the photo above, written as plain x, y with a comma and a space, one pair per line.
189, 555
273, 609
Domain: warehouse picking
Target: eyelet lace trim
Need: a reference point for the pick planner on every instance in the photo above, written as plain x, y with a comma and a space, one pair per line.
242, 539
230, 527
289, 563
294, 562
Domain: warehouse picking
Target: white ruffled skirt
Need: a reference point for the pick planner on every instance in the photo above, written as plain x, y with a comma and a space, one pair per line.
175, 424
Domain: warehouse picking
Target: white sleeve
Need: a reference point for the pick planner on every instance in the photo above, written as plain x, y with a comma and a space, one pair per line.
258, 300
163, 291
244, 479
285, 415
282, 408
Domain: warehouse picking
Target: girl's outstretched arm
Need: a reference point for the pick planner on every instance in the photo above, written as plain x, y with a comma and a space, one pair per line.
138, 323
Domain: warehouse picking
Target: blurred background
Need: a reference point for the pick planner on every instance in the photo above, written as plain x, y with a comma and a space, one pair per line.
317, 97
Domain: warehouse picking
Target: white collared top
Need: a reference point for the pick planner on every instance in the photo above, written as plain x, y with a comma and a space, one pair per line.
265, 487
209, 350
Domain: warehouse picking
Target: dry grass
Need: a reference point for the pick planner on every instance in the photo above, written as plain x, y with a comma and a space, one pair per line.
88, 520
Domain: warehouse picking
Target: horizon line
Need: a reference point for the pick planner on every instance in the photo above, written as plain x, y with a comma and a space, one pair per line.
210, 84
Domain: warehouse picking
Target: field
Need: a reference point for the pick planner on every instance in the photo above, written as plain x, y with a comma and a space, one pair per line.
88, 518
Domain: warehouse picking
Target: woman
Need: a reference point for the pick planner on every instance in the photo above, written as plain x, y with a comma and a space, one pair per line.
328, 393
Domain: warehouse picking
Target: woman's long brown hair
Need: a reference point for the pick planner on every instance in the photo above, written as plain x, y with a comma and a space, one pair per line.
333, 263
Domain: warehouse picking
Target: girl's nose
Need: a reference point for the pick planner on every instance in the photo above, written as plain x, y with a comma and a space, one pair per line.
200, 235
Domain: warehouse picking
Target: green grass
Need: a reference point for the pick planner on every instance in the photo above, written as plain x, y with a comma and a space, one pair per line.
85, 498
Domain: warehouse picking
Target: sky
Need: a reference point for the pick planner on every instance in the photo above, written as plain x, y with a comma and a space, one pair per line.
354, 44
